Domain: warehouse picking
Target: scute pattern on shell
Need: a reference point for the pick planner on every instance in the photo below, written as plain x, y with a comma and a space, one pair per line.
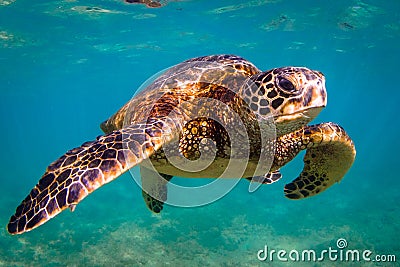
167, 110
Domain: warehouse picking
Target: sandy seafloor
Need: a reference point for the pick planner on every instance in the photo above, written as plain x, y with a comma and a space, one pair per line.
65, 66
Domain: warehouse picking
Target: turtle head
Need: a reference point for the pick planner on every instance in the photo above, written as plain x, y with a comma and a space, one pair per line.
293, 95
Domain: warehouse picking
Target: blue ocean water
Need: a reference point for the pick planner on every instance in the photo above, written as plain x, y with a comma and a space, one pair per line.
66, 66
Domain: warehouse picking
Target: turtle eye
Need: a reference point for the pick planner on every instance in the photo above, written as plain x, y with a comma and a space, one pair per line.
286, 85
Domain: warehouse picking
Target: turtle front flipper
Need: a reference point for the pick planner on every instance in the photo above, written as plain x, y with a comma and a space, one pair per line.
330, 154
154, 188
82, 170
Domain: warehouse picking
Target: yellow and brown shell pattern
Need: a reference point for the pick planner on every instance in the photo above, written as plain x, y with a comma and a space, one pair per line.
164, 111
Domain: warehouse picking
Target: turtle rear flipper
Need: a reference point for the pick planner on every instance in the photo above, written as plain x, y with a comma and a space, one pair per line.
154, 188
330, 155
268, 178
82, 170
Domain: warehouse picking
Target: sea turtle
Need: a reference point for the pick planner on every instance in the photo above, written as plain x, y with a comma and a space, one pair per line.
148, 3
166, 112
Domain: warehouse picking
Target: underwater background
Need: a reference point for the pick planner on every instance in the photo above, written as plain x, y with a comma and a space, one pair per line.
66, 66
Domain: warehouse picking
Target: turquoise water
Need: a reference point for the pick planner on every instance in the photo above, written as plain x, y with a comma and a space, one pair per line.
65, 68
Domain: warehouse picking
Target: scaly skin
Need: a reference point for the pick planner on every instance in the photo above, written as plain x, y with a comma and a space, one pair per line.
330, 154
82, 170
166, 111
